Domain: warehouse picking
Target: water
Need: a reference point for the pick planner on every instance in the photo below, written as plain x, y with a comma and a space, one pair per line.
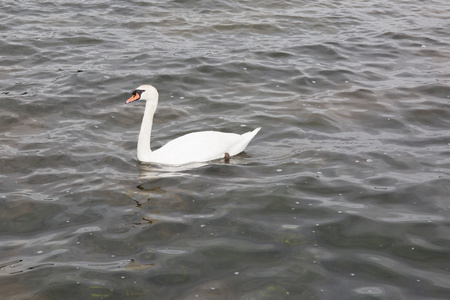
344, 193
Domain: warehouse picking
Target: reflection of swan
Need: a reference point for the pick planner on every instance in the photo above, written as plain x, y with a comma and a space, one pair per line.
193, 147
147, 171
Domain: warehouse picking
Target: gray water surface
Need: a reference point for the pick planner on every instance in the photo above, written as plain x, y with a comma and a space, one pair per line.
343, 194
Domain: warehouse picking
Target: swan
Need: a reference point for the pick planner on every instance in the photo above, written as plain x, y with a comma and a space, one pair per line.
193, 147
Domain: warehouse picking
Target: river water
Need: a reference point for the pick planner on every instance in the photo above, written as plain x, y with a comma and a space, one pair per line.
343, 194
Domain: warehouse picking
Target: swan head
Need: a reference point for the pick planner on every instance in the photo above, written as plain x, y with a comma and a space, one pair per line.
144, 92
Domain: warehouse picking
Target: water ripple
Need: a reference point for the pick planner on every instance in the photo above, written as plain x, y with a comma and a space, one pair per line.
343, 191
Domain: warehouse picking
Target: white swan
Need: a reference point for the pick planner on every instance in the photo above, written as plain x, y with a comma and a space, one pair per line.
190, 148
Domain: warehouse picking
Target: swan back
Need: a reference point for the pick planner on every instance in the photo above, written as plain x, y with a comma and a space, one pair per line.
201, 147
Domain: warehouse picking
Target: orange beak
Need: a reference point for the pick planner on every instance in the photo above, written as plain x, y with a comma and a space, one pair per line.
134, 98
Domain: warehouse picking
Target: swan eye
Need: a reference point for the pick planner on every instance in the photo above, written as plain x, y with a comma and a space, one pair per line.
137, 92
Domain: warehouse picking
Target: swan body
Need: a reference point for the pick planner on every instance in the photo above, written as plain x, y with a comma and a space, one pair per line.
194, 147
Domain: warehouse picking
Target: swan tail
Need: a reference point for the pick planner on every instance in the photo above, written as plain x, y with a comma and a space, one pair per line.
247, 137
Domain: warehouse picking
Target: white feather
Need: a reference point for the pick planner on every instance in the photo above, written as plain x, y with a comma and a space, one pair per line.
194, 147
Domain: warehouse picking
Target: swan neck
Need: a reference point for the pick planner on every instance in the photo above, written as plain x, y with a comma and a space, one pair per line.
143, 148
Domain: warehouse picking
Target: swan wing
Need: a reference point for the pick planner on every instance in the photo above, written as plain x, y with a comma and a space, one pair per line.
201, 147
